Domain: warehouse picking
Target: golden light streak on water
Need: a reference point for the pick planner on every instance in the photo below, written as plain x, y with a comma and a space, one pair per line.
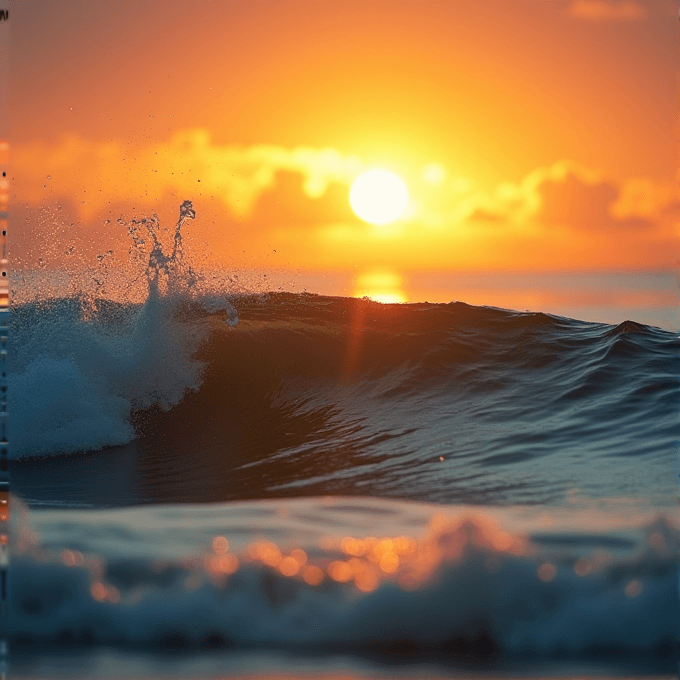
266, 552
220, 545
339, 571
380, 285
299, 555
367, 580
353, 546
229, 564
389, 562
289, 566
313, 575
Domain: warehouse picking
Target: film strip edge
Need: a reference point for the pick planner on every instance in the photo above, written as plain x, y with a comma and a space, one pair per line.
4, 337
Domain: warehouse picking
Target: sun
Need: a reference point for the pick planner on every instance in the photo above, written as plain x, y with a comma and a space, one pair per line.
378, 196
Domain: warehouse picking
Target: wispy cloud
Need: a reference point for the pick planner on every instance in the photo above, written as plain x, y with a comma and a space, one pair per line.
95, 174
308, 187
564, 195
572, 199
268, 198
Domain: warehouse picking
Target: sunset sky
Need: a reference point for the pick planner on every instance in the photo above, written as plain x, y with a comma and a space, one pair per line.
532, 135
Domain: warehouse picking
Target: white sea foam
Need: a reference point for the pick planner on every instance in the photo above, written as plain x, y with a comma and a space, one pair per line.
143, 577
80, 367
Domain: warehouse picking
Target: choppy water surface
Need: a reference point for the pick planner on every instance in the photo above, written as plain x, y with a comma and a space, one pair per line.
309, 395
209, 471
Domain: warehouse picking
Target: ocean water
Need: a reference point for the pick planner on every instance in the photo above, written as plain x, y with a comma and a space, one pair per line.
210, 483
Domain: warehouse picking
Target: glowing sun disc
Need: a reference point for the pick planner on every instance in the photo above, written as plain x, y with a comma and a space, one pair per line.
378, 196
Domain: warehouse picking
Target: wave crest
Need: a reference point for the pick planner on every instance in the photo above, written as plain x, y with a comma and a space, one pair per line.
83, 364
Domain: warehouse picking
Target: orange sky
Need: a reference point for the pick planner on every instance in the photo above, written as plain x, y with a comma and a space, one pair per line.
532, 134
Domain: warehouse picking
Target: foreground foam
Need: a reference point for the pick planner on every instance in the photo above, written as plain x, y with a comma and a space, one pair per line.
462, 582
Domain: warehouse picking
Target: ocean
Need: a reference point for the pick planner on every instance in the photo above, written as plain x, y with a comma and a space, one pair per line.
209, 484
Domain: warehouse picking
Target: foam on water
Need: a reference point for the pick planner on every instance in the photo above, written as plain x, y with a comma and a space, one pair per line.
82, 365
350, 574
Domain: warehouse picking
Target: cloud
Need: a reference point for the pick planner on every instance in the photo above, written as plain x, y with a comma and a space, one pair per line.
259, 200
270, 186
607, 10
572, 202
96, 174
573, 197
642, 197
564, 196
285, 202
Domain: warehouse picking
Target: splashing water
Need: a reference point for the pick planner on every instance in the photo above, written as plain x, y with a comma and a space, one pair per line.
82, 364
173, 266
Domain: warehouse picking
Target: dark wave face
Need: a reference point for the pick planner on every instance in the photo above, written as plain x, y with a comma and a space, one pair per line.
313, 396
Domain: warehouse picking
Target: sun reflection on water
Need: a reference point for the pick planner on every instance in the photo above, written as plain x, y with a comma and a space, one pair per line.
380, 285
